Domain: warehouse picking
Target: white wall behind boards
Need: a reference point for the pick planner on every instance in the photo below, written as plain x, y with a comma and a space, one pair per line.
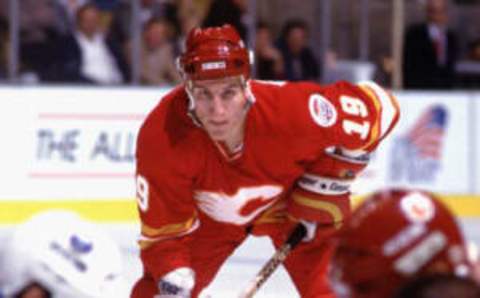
70, 142
474, 108
430, 148
78, 143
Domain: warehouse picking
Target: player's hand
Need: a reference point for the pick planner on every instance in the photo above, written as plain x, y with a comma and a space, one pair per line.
177, 283
311, 228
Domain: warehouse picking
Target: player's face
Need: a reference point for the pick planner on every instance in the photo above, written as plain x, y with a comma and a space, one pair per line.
437, 11
220, 107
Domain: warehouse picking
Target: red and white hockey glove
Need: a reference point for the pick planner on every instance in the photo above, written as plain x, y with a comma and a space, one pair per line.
322, 195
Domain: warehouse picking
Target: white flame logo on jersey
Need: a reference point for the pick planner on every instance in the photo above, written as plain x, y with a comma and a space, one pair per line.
323, 112
417, 207
239, 208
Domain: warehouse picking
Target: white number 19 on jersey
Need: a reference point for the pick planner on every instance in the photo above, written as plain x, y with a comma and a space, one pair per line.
356, 107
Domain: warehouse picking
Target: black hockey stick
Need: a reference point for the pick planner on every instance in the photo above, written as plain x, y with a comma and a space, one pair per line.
282, 252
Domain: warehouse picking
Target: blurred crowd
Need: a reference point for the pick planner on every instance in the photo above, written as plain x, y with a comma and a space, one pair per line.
91, 42
82, 41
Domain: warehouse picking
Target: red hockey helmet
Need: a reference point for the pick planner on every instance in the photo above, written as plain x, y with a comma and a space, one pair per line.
214, 53
393, 236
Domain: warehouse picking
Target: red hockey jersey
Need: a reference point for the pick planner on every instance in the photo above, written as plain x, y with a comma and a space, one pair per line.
293, 134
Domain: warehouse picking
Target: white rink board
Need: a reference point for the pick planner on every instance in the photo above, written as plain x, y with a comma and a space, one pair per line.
475, 147
78, 143
394, 164
70, 142
31, 171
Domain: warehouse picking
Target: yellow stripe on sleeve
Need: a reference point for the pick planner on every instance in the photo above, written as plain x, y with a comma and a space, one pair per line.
388, 105
375, 132
175, 228
327, 207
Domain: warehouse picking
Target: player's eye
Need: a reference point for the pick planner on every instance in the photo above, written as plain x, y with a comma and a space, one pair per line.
228, 94
201, 94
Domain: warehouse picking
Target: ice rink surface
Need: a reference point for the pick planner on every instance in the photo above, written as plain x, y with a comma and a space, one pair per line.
239, 269
234, 276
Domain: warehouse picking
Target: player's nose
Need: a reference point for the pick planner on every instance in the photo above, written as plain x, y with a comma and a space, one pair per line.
217, 106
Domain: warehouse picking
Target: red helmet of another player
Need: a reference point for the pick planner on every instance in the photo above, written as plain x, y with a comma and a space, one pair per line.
214, 52
393, 236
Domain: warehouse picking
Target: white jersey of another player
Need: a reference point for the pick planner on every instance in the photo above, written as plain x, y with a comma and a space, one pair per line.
69, 257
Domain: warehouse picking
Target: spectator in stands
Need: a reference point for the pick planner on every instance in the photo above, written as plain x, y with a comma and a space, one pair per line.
300, 62
190, 14
66, 11
120, 29
40, 29
396, 236
186, 24
58, 254
158, 59
268, 59
228, 12
430, 50
384, 69
86, 56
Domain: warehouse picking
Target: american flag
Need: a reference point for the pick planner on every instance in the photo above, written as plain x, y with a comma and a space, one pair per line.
426, 135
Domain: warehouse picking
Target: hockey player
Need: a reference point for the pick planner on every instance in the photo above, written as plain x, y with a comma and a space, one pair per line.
56, 254
224, 156
394, 237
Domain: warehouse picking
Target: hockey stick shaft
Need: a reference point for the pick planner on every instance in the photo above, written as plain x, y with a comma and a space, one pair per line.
272, 264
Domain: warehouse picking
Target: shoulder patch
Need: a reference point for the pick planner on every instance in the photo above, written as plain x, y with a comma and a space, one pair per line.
322, 110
